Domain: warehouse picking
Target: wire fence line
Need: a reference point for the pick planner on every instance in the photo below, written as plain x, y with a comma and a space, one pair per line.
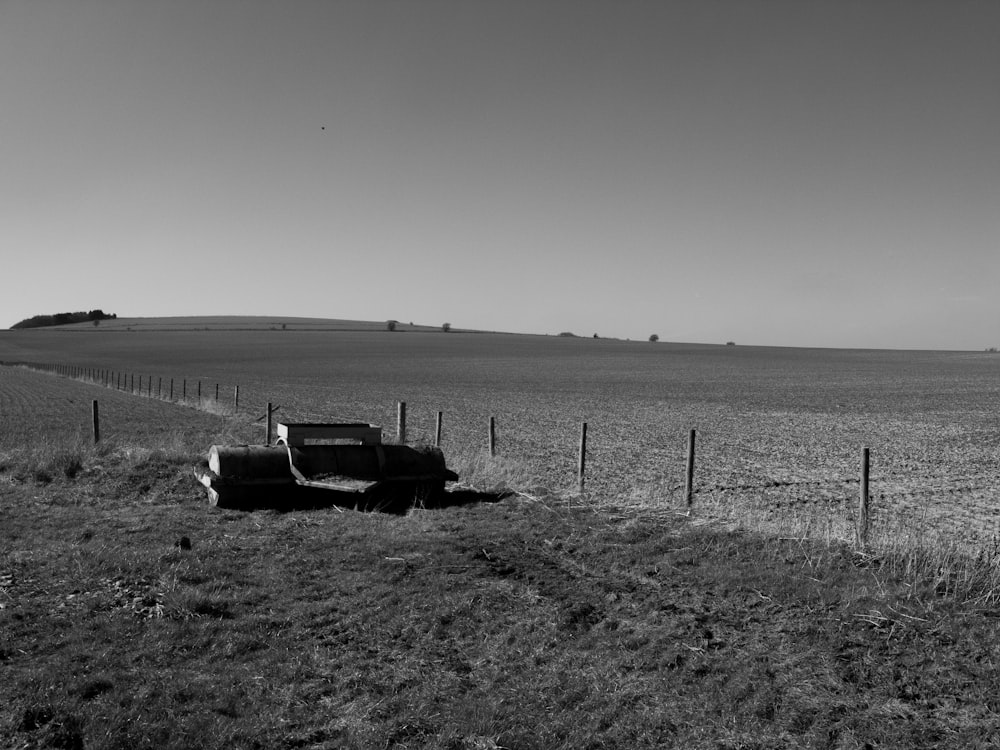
741, 458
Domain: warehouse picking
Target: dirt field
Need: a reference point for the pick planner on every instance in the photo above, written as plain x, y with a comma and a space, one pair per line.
778, 429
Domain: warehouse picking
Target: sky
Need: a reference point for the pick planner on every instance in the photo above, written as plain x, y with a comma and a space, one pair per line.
773, 172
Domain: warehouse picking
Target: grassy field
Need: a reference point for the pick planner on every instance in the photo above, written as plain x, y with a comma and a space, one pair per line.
133, 614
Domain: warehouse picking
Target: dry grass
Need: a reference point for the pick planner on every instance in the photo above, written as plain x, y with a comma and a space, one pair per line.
527, 623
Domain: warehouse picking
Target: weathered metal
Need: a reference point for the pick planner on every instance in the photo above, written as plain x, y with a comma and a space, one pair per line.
361, 472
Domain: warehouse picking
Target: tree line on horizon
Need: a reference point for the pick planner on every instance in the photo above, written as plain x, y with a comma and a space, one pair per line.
62, 319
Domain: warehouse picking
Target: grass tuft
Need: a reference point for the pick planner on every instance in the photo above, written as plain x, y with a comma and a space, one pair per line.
498, 475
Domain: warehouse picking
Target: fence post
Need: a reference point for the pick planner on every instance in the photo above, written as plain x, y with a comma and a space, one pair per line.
267, 430
437, 429
401, 423
216, 392
199, 393
184, 390
582, 466
159, 387
863, 498
493, 436
689, 473
97, 424
236, 399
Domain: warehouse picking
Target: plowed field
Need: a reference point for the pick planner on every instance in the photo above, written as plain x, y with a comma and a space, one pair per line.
778, 429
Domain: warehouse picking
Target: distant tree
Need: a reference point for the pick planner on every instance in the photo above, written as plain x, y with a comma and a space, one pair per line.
568, 334
446, 327
730, 343
654, 338
390, 325
596, 336
61, 319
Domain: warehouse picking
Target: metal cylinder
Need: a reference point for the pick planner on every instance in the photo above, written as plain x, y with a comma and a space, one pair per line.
249, 461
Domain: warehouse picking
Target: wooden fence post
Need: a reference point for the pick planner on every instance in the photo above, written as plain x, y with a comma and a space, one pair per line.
236, 399
97, 424
267, 430
216, 392
689, 472
199, 393
493, 436
582, 466
401, 423
437, 429
862, 529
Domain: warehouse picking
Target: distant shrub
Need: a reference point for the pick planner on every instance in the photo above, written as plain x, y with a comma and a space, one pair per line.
654, 338
446, 327
568, 334
730, 343
390, 325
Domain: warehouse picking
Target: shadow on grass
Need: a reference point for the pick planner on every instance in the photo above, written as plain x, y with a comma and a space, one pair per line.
391, 503
395, 501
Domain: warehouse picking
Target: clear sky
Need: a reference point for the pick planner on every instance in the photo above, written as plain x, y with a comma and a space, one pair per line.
787, 172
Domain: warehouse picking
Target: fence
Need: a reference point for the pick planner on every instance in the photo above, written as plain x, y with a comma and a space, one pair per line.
175, 390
